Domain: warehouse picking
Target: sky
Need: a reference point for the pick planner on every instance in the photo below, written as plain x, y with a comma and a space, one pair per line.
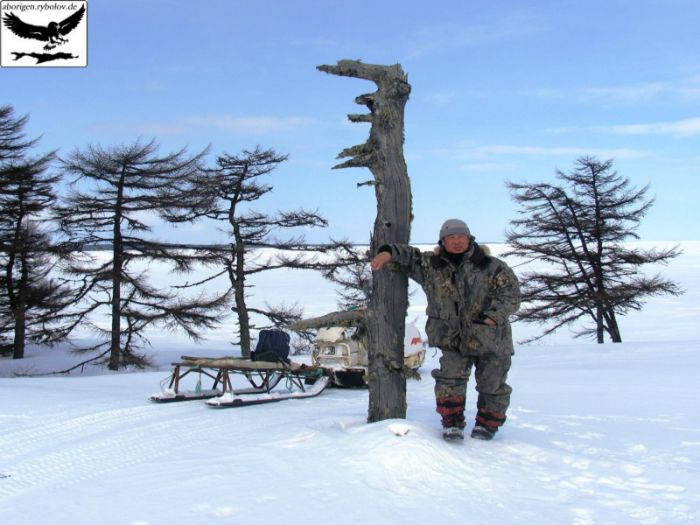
500, 91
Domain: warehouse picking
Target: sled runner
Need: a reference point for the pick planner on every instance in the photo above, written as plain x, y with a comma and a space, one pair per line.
301, 381
298, 387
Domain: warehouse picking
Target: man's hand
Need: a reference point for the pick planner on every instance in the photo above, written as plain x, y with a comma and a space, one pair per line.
380, 260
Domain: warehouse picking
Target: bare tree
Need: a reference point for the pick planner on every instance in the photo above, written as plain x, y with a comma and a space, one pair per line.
352, 273
120, 188
234, 186
578, 227
383, 155
33, 302
14, 144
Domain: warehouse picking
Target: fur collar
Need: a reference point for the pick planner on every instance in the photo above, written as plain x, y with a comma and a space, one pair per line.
477, 254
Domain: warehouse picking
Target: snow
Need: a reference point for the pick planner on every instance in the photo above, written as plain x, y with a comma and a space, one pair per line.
595, 435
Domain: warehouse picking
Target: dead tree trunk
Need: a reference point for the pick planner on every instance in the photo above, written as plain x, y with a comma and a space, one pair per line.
349, 318
383, 155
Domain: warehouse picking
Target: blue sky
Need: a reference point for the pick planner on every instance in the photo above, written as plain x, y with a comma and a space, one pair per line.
501, 90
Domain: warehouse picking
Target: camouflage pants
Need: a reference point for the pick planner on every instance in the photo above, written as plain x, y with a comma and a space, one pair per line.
491, 371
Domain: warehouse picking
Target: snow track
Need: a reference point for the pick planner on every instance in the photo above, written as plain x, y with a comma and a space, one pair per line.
588, 441
72, 450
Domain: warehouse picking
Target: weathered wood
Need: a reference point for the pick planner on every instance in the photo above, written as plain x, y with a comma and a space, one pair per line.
236, 363
365, 117
383, 155
345, 319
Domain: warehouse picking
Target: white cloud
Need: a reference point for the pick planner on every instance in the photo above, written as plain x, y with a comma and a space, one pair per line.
549, 93
686, 127
626, 93
486, 167
443, 98
686, 88
257, 125
143, 128
503, 149
432, 39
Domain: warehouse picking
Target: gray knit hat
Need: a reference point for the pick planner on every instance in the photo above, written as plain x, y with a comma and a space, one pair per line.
454, 227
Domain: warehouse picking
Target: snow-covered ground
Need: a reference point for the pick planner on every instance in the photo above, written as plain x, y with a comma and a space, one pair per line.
595, 435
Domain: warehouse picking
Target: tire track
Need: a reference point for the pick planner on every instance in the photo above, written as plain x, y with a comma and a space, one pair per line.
72, 450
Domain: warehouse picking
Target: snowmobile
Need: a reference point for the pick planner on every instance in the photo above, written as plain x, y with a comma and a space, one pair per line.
342, 351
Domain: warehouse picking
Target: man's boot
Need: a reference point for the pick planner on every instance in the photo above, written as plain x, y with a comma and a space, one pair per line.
451, 408
487, 423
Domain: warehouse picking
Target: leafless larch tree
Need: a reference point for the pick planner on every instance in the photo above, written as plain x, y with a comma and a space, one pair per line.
258, 240
115, 191
579, 227
34, 300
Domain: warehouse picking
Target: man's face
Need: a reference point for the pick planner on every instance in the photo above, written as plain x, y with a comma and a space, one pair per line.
457, 243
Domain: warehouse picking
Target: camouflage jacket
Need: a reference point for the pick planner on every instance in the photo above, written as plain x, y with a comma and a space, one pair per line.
461, 297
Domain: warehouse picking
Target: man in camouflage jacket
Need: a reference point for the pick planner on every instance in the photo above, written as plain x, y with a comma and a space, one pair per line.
471, 296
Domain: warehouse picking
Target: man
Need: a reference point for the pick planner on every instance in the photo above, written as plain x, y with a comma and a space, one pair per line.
471, 296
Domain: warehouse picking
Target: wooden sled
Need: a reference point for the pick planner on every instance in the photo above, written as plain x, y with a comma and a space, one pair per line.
301, 381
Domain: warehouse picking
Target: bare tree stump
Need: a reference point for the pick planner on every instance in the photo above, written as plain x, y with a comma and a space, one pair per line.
383, 155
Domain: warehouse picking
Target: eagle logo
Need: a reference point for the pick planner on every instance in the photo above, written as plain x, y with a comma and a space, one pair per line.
53, 33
